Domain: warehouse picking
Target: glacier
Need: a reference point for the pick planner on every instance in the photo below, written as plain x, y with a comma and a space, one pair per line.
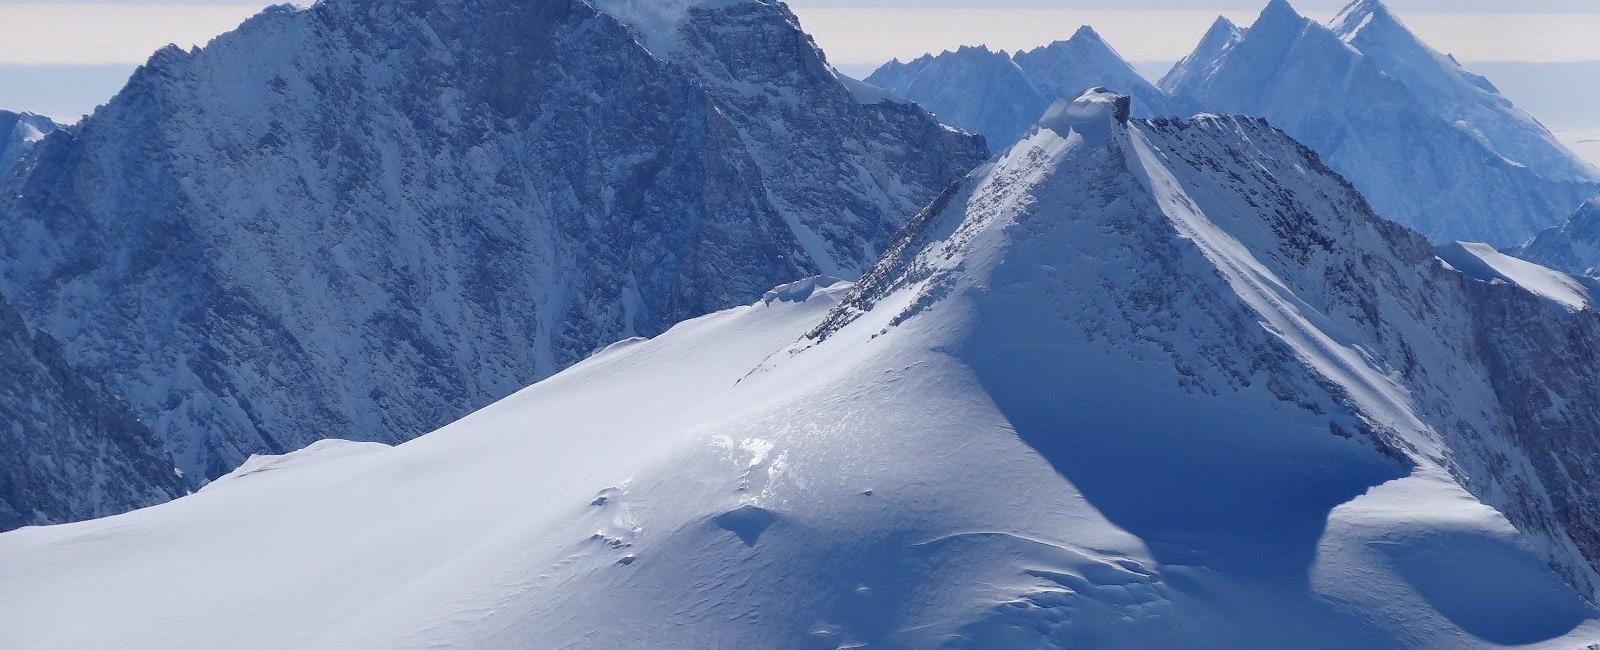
1133, 383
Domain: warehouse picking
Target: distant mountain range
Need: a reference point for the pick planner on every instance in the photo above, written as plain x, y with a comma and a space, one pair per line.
1000, 95
1432, 145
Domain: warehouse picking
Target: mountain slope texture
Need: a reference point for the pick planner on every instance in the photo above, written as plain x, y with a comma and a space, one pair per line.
1000, 95
1431, 145
69, 450
1573, 246
367, 218
18, 133
1132, 384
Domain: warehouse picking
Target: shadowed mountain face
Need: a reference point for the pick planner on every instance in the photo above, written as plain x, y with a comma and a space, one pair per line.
69, 449
18, 133
1431, 145
1573, 246
368, 218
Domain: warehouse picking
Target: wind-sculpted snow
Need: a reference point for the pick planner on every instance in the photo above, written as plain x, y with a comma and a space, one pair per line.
1431, 145
367, 218
1175, 388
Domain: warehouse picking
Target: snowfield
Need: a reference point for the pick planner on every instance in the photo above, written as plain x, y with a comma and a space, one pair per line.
1109, 392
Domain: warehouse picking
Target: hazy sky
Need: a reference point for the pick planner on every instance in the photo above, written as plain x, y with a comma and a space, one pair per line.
61, 57
871, 31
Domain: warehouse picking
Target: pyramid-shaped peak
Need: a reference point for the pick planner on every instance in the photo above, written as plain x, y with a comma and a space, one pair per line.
1222, 23
1221, 32
1363, 8
1087, 33
1360, 14
1278, 11
1222, 26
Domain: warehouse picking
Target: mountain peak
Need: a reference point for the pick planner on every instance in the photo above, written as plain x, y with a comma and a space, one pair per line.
1359, 15
1087, 33
1279, 22
1222, 35
1221, 26
1279, 8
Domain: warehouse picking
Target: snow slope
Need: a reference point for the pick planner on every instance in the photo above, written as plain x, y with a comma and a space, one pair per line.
1155, 383
1431, 145
1482, 262
368, 218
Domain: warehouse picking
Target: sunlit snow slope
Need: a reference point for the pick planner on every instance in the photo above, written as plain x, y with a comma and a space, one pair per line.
1134, 384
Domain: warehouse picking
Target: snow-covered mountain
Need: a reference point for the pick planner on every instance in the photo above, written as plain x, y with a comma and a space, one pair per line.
974, 88
1000, 96
1430, 144
18, 133
1573, 246
69, 449
368, 218
1132, 384
1469, 100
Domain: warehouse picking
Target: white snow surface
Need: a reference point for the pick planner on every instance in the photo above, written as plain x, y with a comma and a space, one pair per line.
1483, 262
1089, 399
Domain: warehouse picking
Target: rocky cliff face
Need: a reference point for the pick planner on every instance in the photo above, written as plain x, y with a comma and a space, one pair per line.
370, 217
1573, 246
18, 133
69, 449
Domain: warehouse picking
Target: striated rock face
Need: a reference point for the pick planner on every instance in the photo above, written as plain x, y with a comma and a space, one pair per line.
18, 133
1573, 246
368, 218
1431, 145
69, 449
1000, 95
1541, 364
843, 162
